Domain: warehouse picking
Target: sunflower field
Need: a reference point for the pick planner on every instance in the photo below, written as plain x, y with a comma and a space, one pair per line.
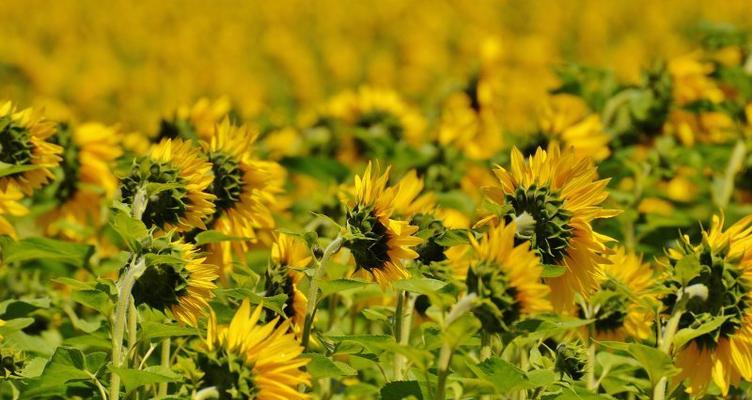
376, 199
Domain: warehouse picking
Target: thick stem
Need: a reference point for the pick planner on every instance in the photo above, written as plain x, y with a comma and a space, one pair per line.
165, 363
445, 357
402, 322
485, 345
591, 382
666, 340
135, 269
313, 288
132, 330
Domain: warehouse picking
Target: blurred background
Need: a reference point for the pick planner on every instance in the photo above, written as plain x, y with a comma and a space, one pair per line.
133, 62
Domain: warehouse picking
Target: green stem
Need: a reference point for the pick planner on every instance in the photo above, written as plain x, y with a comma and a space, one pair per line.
485, 345
666, 340
402, 321
591, 382
445, 357
132, 330
313, 288
165, 363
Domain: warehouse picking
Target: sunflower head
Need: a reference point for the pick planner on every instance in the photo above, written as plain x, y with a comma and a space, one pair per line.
175, 279
11, 363
570, 360
626, 297
25, 148
712, 280
248, 359
377, 242
506, 278
290, 256
552, 197
175, 176
194, 122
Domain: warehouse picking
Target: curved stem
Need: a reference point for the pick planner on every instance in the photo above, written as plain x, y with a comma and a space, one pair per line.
402, 322
165, 363
313, 288
445, 357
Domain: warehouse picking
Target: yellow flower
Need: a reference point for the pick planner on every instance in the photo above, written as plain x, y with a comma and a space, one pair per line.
566, 120
196, 121
184, 288
181, 177
272, 355
244, 189
9, 205
554, 196
379, 243
506, 275
725, 354
24, 146
290, 256
89, 151
626, 313
655, 205
691, 80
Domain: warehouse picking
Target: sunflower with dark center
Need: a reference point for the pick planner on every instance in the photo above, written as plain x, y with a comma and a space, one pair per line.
85, 178
626, 299
725, 277
176, 177
259, 361
378, 243
25, 149
506, 278
245, 189
553, 196
176, 279
290, 256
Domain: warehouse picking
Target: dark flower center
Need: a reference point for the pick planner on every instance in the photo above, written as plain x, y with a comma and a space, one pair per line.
278, 281
228, 180
370, 246
611, 308
539, 140
499, 307
70, 165
167, 200
227, 372
551, 231
176, 128
161, 285
15, 143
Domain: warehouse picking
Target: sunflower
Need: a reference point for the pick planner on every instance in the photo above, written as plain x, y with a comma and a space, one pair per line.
691, 78
86, 178
177, 178
25, 149
380, 117
506, 276
566, 120
245, 188
289, 257
377, 242
9, 205
179, 280
622, 307
194, 122
554, 196
723, 355
251, 360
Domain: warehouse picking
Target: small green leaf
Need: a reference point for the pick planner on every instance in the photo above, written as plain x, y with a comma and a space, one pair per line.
95, 299
152, 330
656, 363
322, 367
275, 303
130, 230
207, 237
38, 248
687, 268
504, 376
321, 168
340, 285
398, 390
453, 237
425, 286
683, 336
134, 378
11, 169
552, 271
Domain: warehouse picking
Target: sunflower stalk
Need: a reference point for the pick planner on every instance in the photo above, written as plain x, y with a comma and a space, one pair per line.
464, 305
402, 321
165, 363
125, 286
313, 288
666, 340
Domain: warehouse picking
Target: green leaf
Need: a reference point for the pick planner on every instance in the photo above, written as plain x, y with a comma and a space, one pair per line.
398, 390
11, 169
206, 237
656, 363
152, 330
66, 364
425, 286
16, 308
275, 303
687, 268
683, 336
322, 367
73, 283
340, 285
38, 248
95, 299
134, 378
371, 342
453, 237
15, 325
552, 271
504, 376
130, 230
321, 168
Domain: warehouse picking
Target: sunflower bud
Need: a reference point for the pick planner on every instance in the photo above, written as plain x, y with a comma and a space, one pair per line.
497, 308
570, 360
